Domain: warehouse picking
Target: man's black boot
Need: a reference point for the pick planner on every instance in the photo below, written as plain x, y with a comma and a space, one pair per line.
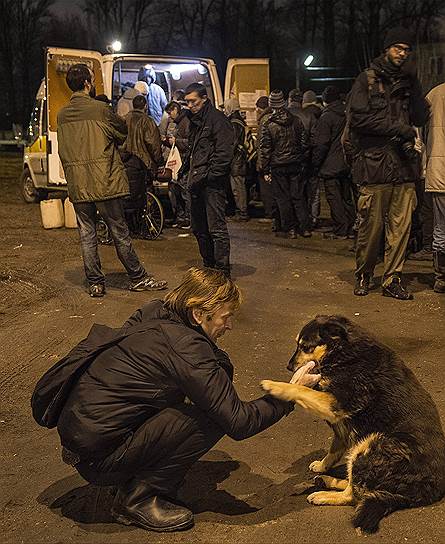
439, 268
363, 283
396, 290
135, 504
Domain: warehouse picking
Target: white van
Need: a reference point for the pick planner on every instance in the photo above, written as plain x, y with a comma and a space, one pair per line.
246, 79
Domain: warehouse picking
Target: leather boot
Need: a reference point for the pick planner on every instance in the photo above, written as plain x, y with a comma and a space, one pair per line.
439, 268
135, 504
395, 289
363, 283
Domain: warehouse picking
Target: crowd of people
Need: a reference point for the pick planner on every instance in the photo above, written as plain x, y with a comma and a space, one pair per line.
363, 151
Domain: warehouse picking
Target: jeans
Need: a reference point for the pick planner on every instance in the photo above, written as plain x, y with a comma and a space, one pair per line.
238, 184
180, 201
159, 452
209, 225
439, 222
112, 212
288, 190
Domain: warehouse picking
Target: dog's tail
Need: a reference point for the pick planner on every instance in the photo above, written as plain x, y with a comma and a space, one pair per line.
373, 507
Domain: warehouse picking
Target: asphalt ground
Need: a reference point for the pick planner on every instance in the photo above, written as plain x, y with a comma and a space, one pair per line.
241, 492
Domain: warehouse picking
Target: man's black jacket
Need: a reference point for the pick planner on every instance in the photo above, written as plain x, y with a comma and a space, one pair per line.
382, 116
211, 146
327, 152
283, 141
151, 370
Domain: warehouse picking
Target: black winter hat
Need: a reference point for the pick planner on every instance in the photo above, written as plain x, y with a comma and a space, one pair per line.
330, 94
399, 35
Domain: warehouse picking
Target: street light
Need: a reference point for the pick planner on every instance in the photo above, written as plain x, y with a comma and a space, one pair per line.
308, 60
114, 47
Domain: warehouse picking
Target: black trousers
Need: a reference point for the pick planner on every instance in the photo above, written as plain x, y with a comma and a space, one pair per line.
340, 199
208, 221
288, 191
159, 453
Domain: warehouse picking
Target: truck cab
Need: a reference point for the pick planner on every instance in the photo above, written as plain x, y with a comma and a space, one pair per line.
247, 79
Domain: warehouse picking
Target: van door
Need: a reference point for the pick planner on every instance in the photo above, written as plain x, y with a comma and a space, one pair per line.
58, 95
247, 80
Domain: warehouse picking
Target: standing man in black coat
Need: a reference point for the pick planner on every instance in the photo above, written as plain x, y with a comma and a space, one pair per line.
385, 104
211, 142
329, 164
127, 422
283, 153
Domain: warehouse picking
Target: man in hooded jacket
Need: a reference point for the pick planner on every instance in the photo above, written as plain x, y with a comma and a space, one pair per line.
385, 102
156, 99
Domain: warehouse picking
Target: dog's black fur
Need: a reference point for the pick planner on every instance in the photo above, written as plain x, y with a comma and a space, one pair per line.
405, 463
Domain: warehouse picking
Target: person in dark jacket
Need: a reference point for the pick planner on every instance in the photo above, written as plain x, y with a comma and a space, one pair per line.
141, 155
295, 101
127, 421
329, 164
385, 102
283, 152
238, 169
88, 135
207, 167
178, 192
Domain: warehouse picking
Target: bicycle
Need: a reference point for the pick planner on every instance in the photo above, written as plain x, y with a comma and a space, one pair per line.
146, 223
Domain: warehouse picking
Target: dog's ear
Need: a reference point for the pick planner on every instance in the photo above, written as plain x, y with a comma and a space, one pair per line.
335, 328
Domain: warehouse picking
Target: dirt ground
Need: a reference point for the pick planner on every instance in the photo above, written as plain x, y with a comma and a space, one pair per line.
241, 492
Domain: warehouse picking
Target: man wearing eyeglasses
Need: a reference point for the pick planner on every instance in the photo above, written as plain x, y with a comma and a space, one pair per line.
385, 104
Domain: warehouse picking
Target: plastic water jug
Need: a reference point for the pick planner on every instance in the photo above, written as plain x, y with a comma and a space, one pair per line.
70, 214
52, 213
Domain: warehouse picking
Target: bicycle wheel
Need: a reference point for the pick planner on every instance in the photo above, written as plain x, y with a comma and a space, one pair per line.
152, 217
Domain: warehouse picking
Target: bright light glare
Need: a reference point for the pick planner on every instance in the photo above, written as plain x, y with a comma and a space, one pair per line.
308, 60
116, 45
177, 69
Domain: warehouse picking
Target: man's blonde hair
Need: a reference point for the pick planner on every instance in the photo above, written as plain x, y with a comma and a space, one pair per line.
202, 288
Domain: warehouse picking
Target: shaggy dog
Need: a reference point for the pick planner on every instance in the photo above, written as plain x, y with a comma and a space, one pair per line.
382, 418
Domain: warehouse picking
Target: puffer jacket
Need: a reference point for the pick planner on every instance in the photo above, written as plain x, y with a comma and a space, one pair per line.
435, 141
210, 153
88, 134
263, 116
283, 141
382, 116
125, 102
143, 139
155, 368
327, 153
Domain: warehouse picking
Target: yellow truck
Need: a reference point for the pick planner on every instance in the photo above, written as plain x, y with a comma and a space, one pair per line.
42, 172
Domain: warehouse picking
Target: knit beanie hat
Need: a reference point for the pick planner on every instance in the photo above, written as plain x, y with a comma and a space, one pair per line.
262, 103
330, 94
398, 35
142, 87
309, 97
276, 100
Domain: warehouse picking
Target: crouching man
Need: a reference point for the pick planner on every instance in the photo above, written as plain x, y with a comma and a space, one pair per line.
127, 421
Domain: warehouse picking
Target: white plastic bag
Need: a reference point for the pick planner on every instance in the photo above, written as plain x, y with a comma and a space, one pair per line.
174, 162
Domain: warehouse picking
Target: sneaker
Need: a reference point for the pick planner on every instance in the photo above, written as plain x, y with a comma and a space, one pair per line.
332, 236
97, 290
422, 255
439, 286
265, 220
185, 226
396, 290
306, 234
244, 217
292, 234
148, 284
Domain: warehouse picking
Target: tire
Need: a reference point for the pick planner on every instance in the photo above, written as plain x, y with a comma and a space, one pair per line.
30, 193
152, 218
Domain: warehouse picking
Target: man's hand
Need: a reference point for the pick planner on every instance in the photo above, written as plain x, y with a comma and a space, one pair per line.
268, 178
302, 376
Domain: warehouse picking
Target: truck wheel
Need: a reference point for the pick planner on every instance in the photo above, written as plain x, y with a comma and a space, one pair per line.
29, 192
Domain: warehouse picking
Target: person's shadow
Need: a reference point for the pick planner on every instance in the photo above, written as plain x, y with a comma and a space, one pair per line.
247, 498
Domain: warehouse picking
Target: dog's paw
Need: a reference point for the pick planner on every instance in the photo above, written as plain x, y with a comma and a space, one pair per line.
317, 466
318, 498
273, 388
